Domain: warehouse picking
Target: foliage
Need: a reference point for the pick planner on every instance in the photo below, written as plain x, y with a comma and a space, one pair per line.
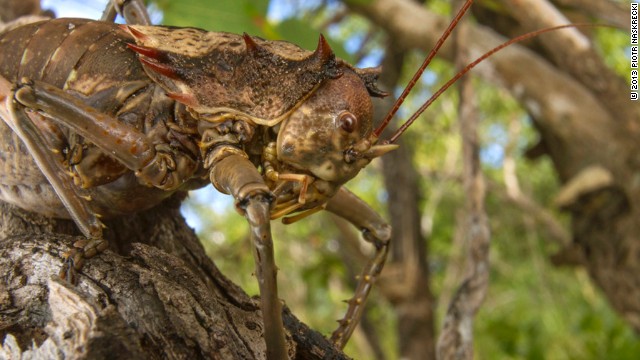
533, 310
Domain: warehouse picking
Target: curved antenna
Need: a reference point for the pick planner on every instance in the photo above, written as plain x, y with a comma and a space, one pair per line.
424, 65
467, 68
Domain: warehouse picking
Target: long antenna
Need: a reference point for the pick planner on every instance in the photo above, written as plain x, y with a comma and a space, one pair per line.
424, 65
444, 87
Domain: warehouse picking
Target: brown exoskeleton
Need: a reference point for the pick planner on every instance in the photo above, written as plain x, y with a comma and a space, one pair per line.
115, 119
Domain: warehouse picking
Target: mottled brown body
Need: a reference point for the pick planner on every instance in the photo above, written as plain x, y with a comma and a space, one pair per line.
92, 61
102, 120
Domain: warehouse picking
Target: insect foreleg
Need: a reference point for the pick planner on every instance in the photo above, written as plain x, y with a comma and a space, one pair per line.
375, 231
133, 11
236, 175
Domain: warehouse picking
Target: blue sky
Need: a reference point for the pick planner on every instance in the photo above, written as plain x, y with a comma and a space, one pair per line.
92, 9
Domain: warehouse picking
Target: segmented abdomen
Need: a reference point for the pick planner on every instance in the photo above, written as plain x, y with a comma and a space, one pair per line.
77, 54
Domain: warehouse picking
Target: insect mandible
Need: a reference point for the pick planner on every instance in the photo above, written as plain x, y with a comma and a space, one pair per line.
134, 113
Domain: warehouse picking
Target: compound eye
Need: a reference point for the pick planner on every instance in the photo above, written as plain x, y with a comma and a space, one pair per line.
347, 121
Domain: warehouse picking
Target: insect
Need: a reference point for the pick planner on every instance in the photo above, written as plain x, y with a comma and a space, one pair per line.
115, 119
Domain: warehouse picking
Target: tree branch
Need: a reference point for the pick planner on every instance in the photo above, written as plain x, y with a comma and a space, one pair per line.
536, 83
610, 11
155, 294
456, 339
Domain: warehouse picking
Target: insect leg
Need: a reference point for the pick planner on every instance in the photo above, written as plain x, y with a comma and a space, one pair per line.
133, 11
127, 145
154, 164
236, 175
375, 231
13, 113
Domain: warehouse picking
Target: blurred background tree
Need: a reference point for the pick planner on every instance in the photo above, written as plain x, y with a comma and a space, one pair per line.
557, 133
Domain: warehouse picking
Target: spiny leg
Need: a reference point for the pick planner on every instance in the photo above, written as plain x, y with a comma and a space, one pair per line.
237, 176
133, 11
375, 231
126, 144
14, 114
155, 164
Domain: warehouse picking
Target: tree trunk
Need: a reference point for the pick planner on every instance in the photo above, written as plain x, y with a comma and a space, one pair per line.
406, 284
153, 294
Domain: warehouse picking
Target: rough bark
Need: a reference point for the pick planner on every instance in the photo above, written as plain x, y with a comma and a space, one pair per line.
582, 112
154, 294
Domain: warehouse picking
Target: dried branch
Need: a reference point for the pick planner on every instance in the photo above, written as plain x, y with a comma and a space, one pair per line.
456, 339
574, 53
535, 82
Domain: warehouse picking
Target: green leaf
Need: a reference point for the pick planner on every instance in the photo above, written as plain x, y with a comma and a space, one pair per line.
235, 16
